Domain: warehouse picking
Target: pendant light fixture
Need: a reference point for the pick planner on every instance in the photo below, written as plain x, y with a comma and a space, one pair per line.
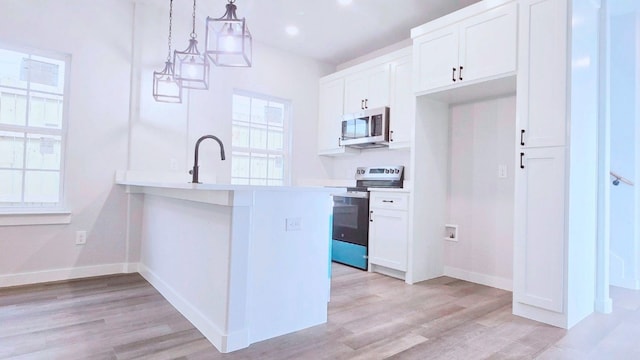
228, 40
165, 86
192, 67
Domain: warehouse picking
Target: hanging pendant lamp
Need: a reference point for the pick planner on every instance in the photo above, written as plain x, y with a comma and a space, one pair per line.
192, 67
165, 86
228, 40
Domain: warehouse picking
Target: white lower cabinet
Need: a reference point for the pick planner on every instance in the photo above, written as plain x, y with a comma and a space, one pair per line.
540, 228
388, 230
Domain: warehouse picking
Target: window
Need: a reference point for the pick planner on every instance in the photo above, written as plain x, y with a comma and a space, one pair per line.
32, 129
260, 140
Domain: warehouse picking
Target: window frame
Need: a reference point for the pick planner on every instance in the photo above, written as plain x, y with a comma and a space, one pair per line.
39, 209
286, 144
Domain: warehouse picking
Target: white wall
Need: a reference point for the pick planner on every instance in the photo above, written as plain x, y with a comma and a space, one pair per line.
97, 34
625, 44
480, 202
163, 135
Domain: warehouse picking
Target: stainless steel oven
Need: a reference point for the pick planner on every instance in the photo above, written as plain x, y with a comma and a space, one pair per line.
350, 230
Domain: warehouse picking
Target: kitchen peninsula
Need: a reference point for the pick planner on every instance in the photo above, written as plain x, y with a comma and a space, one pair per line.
242, 263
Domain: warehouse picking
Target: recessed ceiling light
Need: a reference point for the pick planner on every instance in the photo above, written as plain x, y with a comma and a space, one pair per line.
344, 2
292, 30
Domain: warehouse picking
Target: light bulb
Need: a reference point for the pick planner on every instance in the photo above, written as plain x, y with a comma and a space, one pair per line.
192, 70
228, 43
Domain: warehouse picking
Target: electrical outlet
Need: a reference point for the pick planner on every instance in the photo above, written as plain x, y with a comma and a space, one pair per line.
293, 224
81, 237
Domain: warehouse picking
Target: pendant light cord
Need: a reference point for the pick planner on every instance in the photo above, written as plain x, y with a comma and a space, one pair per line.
170, 25
193, 24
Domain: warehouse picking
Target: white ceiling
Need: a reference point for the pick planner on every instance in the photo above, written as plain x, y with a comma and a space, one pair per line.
330, 32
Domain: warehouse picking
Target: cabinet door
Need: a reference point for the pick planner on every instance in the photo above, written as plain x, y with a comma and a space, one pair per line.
402, 103
488, 44
330, 117
367, 89
355, 91
435, 55
388, 238
539, 254
378, 87
542, 78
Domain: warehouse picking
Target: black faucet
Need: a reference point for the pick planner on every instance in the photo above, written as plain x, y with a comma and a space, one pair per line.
194, 171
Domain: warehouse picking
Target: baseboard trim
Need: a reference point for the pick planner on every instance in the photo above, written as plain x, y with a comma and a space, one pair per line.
478, 278
604, 306
36, 277
224, 343
625, 283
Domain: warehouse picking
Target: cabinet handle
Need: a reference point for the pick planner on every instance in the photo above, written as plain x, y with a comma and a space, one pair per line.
391, 135
387, 201
521, 159
460, 75
339, 142
361, 104
522, 137
366, 103
453, 76
370, 216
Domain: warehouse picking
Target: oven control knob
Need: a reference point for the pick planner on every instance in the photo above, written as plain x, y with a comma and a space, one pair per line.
397, 171
386, 171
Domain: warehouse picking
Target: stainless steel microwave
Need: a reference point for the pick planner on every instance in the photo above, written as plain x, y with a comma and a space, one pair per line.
366, 129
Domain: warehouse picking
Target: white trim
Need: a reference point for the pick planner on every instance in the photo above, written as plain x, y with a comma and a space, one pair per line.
53, 217
224, 343
44, 276
478, 278
604, 306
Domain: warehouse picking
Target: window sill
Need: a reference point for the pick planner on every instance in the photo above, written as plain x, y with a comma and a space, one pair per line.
39, 217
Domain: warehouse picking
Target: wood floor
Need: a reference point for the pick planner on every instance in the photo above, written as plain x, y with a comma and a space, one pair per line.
370, 317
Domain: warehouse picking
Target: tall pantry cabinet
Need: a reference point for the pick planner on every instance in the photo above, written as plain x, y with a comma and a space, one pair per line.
556, 163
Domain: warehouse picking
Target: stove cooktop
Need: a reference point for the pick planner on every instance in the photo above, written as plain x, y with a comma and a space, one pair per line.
379, 177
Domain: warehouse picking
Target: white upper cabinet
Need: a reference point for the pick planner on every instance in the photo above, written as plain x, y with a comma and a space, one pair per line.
367, 89
435, 57
384, 81
330, 117
479, 47
403, 104
542, 81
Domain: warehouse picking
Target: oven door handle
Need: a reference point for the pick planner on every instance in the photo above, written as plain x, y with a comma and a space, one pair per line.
353, 194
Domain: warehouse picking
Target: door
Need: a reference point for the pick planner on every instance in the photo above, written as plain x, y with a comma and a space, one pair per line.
367, 89
330, 116
435, 55
542, 79
388, 238
539, 244
351, 220
488, 44
403, 104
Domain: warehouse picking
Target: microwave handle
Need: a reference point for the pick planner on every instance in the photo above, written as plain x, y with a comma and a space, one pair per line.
372, 126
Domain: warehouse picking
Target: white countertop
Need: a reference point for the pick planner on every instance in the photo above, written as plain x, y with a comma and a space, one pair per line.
132, 178
391, 190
